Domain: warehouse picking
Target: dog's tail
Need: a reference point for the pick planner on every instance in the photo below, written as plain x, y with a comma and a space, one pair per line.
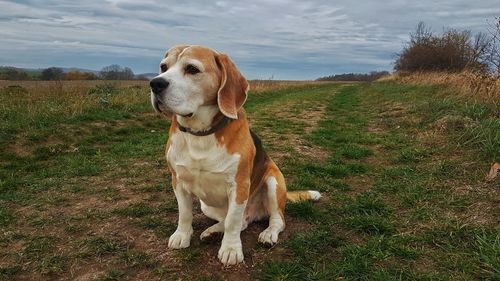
296, 196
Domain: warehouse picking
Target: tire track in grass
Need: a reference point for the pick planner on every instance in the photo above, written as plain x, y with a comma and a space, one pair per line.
285, 122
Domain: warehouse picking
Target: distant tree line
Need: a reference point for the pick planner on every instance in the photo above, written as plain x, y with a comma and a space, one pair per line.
12, 73
374, 75
453, 50
111, 72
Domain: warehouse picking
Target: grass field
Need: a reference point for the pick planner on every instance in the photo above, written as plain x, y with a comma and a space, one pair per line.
85, 193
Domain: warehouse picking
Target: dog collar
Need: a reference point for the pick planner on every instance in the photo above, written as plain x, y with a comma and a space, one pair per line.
221, 124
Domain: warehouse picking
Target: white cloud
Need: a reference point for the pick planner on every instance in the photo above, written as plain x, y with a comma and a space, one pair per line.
290, 38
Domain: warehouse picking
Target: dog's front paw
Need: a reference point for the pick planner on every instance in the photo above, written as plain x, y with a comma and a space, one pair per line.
231, 254
269, 236
180, 239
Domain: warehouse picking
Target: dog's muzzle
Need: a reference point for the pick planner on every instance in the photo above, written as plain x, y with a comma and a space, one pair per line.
158, 85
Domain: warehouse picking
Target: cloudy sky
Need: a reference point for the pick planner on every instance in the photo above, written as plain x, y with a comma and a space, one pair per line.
284, 39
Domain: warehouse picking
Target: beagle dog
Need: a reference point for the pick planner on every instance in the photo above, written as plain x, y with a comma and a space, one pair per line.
213, 155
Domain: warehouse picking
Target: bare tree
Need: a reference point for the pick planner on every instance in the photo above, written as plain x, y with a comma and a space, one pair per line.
481, 44
116, 72
52, 73
493, 56
423, 34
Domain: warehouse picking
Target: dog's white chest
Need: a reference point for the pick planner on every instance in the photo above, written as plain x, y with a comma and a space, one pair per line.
203, 167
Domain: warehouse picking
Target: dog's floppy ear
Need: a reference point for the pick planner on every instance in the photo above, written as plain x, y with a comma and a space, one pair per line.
233, 88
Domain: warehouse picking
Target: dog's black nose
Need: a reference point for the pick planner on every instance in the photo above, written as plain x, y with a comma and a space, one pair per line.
158, 84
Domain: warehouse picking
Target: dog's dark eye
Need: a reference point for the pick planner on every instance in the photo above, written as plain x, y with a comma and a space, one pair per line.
191, 69
163, 68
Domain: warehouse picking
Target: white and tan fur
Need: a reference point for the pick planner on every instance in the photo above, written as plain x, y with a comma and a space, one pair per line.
228, 171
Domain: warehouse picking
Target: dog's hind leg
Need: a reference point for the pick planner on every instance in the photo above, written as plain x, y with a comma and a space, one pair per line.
276, 198
216, 214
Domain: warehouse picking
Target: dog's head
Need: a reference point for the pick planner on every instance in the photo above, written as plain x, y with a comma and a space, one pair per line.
193, 76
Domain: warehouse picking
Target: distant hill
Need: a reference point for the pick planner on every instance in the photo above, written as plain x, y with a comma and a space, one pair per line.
149, 75
3, 68
32, 72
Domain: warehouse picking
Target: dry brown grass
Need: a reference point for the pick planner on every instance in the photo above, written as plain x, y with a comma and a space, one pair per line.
259, 86
478, 86
82, 86
72, 87
36, 99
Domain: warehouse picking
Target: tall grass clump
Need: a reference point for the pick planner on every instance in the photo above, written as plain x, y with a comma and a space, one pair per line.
478, 86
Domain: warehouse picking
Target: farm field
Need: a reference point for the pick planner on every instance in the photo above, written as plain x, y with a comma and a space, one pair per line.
85, 193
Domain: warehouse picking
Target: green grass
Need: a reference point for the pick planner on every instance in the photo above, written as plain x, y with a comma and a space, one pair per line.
113, 275
278, 270
400, 168
355, 152
134, 258
409, 190
6, 216
7, 272
98, 246
135, 210
304, 210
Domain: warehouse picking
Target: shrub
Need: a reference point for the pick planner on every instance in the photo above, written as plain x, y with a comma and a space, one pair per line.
453, 51
52, 73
